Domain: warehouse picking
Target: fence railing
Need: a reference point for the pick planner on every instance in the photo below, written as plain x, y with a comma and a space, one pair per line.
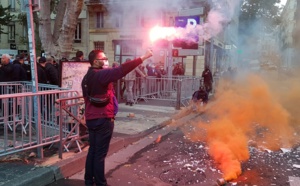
71, 112
32, 120
178, 90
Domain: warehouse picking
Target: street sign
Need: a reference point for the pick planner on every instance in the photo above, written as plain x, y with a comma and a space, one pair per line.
13, 46
191, 11
175, 52
190, 52
228, 47
191, 39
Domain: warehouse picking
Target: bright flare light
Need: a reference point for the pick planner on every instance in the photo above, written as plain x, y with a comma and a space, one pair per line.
162, 33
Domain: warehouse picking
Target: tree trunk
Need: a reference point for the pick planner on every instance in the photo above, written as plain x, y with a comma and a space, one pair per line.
61, 9
65, 40
59, 44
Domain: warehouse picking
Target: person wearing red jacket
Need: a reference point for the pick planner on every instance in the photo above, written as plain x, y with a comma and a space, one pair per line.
100, 105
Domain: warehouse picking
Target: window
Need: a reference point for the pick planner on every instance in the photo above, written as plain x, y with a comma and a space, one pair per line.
126, 49
99, 20
99, 45
11, 33
12, 5
119, 21
77, 36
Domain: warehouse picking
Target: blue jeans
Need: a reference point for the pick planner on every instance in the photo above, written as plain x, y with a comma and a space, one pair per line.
100, 133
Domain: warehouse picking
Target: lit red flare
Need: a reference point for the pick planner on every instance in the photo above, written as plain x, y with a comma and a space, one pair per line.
158, 32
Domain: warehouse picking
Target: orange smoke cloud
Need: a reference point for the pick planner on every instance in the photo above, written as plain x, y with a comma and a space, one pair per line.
250, 108
227, 149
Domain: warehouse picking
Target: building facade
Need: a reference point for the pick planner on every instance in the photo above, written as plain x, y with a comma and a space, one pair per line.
121, 29
288, 34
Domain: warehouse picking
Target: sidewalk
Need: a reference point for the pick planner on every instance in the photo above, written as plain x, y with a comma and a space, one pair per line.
132, 123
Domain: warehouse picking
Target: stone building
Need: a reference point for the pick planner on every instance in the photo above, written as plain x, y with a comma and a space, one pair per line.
121, 29
289, 34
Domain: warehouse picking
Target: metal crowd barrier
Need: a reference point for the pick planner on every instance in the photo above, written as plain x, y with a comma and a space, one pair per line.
24, 126
72, 111
177, 89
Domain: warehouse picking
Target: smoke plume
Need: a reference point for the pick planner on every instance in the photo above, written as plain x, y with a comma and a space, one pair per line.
152, 12
250, 108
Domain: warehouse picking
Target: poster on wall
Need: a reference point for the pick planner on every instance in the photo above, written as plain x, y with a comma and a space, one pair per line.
72, 73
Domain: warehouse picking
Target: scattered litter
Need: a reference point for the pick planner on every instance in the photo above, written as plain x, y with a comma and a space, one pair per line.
268, 150
213, 169
158, 139
296, 166
284, 150
200, 147
188, 165
131, 115
32, 155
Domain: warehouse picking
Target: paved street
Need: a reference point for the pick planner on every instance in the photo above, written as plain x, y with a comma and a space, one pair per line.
169, 157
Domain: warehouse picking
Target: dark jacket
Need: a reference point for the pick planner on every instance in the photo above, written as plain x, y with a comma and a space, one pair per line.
19, 74
150, 70
6, 72
207, 76
52, 74
178, 70
98, 82
42, 77
200, 94
27, 69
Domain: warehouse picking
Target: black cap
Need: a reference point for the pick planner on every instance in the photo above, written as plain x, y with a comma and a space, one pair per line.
42, 60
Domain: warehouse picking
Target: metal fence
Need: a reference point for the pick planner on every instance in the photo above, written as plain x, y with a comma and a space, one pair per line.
32, 120
178, 89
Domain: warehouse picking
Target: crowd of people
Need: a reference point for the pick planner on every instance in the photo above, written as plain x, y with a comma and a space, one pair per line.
19, 69
14, 70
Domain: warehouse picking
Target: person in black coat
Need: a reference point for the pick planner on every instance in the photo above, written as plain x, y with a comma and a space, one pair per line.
208, 79
42, 77
51, 71
79, 56
6, 69
26, 67
19, 73
200, 95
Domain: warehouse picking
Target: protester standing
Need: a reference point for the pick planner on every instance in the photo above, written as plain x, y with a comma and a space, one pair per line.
19, 74
130, 79
6, 69
208, 79
79, 56
25, 66
51, 71
100, 105
42, 77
